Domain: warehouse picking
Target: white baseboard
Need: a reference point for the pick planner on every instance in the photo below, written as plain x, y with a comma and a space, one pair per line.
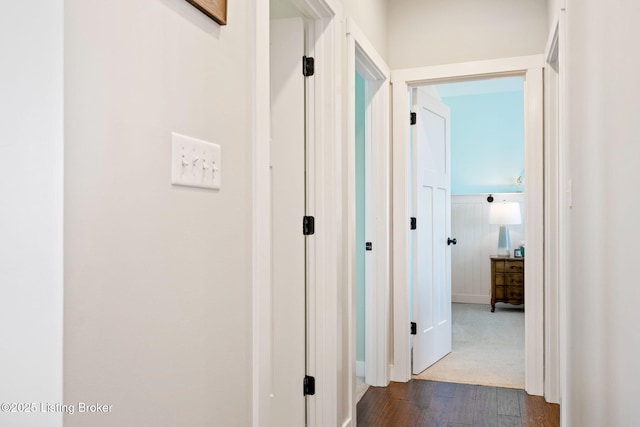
398, 375
348, 423
471, 299
360, 369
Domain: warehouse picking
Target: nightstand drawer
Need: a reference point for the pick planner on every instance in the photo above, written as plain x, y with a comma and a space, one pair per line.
509, 279
509, 266
515, 293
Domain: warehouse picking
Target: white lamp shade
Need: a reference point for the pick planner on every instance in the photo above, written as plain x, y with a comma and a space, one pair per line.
505, 214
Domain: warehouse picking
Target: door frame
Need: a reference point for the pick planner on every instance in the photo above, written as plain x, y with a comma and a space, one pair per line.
552, 211
531, 67
556, 168
362, 57
324, 132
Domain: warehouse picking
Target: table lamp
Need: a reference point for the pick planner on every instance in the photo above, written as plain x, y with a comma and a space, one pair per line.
504, 214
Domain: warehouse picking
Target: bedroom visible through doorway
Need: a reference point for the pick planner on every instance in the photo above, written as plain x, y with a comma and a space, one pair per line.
487, 163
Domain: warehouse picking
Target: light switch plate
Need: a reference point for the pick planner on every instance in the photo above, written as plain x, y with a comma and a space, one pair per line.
195, 163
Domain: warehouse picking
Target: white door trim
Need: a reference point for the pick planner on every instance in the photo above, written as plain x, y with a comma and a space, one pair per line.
557, 238
531, 67
401, 158
324, 184
551, 220
261, 220
362, 57
564, 193
534, 232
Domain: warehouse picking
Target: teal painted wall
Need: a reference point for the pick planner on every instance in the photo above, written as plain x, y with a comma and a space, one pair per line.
487, 142
360, 217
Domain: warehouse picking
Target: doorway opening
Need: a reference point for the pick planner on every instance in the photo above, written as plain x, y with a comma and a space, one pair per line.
367, 202
486, 171
531, 68
321, 337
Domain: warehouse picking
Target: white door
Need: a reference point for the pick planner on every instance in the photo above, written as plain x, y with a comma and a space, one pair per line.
431, 252
371, 246
287, 210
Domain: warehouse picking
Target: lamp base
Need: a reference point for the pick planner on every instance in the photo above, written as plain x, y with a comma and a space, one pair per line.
504, 245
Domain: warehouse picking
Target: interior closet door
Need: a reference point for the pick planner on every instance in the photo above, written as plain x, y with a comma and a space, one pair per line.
288, 208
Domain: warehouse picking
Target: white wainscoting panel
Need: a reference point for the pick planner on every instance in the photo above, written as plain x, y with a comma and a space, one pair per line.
477, 241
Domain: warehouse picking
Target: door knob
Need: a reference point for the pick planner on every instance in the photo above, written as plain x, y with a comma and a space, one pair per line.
452, 241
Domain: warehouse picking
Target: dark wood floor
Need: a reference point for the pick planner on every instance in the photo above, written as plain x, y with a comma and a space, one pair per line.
430, 403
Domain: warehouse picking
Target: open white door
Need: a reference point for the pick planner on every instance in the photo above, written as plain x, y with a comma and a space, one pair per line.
288, 207
370, 240
431, 252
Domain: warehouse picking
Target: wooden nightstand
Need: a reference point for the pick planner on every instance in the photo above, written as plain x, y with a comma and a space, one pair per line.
507, 281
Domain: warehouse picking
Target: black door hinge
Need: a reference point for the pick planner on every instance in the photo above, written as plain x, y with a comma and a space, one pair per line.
309, 386
368, 246
413, 223
414, 118
414, 328
308, 66
308, 225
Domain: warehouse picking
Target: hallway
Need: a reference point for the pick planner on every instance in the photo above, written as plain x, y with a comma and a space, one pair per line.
432, 404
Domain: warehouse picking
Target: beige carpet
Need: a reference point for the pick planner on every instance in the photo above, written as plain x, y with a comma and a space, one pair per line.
487, 348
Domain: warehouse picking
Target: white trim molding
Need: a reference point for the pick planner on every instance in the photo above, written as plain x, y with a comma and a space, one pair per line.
467, 70
551, 221
362, 57
401, 368
324, 336
324, 182
534, 232
471, 299
558, 386
261, 234
556, 221
531, 68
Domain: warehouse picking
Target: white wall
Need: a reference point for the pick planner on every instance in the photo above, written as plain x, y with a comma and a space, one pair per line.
431, 32
31, 152
157, 278
603, 316
371, 17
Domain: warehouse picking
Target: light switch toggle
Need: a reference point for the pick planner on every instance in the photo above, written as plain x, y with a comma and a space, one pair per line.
186, 152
